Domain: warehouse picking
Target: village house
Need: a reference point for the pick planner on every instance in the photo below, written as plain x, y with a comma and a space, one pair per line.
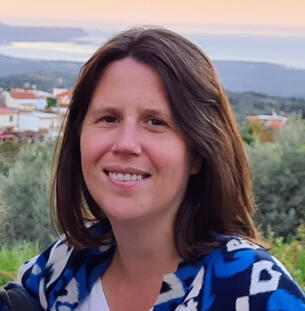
20, 119
8, 124
8, 119
266, 127
272, 121
63, 101
58, 90
25, 125
24, 100
47, 124
64, 98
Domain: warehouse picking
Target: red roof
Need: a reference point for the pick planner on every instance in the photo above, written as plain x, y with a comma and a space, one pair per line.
7, 136
22, 95
276, 123
6, 111
64, 94
252, 118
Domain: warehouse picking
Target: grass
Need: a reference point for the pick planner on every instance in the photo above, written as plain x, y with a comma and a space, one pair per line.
12, 258
292, 255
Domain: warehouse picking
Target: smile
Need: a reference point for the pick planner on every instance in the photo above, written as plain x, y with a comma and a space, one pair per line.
125, 177
122, 176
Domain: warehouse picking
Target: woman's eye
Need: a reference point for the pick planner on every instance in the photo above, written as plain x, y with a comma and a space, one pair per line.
110, 119
155, 122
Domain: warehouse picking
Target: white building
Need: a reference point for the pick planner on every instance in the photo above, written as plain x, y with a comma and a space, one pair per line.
8, 119
58, 90
39, 121
64, 99
270, 120
42, 94
24, 100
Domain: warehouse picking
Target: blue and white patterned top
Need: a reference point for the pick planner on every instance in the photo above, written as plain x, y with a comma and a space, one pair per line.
237, 276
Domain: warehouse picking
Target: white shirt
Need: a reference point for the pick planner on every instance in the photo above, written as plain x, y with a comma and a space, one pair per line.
96, 300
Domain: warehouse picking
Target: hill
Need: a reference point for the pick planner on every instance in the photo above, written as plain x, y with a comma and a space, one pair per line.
53, 34
16, 66
265, 78
243, 104
270, 79
245, 83
44, 81
250, 103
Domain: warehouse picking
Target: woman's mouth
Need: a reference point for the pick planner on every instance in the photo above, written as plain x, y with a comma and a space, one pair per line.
122, 176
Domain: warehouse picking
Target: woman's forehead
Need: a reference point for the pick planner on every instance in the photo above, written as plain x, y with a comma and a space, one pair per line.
128, 82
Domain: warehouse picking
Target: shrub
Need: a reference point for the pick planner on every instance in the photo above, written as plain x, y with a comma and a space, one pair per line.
25, 194
292, 254
278, 173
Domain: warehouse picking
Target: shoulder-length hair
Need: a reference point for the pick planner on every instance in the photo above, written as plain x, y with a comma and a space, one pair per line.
218, 199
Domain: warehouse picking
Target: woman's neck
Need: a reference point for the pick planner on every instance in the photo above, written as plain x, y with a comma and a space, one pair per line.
144, 249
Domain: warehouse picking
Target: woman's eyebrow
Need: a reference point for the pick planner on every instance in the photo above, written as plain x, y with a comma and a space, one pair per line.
104, 109
157, 112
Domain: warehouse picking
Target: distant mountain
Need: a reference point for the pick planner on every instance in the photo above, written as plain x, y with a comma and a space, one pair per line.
53, 34
250, 103
243, 104
63, 74
44, 81
264, 78
14, 66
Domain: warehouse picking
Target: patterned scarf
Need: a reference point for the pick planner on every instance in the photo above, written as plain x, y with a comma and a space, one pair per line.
237, 276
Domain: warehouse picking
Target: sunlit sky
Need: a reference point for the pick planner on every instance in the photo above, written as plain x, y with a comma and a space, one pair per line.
286, 15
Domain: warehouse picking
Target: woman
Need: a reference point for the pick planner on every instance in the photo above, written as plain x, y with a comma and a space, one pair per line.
152, 191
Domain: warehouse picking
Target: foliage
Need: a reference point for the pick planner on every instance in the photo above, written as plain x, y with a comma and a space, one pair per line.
12, 258
51, 102
8, 154
25, 192
252, 132
43, 80
279, 172
292, 254
250, 103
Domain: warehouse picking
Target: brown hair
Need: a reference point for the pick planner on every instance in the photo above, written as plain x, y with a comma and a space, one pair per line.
218, 199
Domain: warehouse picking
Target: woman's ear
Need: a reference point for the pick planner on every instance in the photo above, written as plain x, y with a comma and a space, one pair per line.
196, 164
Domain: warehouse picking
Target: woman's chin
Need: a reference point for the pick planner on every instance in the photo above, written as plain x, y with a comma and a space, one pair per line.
125, 213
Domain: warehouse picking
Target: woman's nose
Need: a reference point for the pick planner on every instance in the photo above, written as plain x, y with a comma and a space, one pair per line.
127, 140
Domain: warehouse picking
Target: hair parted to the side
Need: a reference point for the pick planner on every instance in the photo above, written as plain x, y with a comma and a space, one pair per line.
218, 199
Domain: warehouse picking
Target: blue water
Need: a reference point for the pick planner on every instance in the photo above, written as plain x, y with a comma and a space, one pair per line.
289, 51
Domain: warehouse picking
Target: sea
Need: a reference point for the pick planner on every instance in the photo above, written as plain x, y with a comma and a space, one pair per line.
279, 49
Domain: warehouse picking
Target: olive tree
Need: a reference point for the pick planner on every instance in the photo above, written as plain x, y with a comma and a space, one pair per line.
25, 193
279, 173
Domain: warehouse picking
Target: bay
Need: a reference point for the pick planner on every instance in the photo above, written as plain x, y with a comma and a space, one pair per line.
283, 50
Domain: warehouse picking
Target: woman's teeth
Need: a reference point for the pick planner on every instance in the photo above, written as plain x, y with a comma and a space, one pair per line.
125, 177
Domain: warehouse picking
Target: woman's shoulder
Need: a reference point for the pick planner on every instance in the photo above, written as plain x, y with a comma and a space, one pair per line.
60, 255
62, 274
244, 275
238, 275
55, 256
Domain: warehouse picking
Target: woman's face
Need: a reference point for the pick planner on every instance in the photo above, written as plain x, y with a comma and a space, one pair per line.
135, 161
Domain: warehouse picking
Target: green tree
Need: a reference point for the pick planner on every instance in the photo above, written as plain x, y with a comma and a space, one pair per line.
8, 153
51, 102
279, 172
25, 193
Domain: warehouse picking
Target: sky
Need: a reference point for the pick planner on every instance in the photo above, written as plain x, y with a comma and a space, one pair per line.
251, 30
251, 15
